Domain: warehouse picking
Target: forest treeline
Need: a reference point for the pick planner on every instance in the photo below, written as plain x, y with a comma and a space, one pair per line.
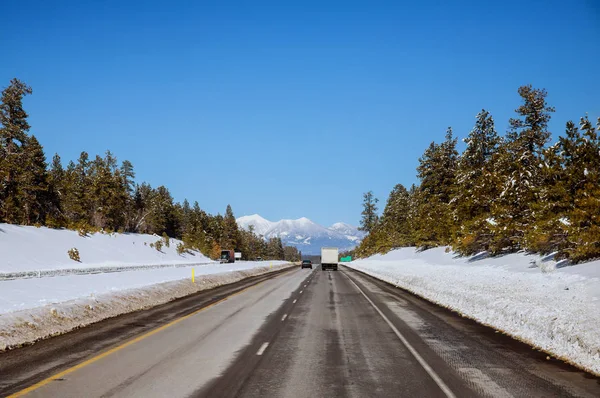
100, 194
502, 194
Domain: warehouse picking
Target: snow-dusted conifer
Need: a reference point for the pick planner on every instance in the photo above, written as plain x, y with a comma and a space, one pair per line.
476, 186
584, 229
519, 168
434, 223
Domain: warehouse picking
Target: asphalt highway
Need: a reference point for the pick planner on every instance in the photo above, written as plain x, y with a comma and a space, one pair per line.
300, 333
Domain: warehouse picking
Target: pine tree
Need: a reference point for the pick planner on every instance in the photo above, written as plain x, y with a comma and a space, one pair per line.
107, 193
75, 202
32, 183
561, 173
13, 135
56, 192
369, 214
162, 213
476, 187
433, 224
518, 162
229, 236
584, 225
394, 229
128, 176
186, 217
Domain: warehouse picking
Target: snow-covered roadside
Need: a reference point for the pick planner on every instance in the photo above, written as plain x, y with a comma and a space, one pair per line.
556, 310
31, 249
43, 292
33, 309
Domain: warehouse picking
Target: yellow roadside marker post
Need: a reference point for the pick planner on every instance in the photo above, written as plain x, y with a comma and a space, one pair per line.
193, 279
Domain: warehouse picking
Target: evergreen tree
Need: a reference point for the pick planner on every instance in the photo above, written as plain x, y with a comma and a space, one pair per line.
186, 217
433, 222
162, 213
562, 172
584, 222
518, 162
229, 238
75, 199
369, 214
275, 249
395, 223
476, 186
393, 229
128, 176
32, 183
56, 191
13, 135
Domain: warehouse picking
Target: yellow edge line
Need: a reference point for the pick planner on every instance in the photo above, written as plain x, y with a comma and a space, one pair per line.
124, 345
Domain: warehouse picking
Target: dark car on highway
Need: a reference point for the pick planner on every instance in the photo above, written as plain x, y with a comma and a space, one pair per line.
306, 264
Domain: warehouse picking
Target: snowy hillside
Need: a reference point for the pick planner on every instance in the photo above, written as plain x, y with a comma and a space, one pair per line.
303, 233
44, 292
529, 297
30, 248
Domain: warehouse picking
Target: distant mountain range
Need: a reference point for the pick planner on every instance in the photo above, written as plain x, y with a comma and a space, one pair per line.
304, 234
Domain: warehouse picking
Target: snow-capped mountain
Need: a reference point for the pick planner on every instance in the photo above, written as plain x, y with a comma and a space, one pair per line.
350, 231
261, 225
303, 233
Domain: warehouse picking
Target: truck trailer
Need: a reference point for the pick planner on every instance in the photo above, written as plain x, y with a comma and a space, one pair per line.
329, 258
227, 256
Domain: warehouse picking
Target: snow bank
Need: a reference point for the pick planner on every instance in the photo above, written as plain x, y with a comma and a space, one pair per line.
25, 250
33, 309
534, 299
43, 292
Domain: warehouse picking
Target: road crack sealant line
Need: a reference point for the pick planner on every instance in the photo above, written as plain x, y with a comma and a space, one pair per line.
436, 378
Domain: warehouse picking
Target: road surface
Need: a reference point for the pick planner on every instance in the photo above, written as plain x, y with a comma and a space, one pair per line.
301, 333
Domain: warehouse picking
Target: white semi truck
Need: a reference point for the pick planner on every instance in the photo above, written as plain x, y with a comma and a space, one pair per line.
329, 258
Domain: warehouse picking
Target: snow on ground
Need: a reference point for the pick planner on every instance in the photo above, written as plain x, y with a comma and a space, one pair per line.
553, 307
36, 308
37, 249
43, 292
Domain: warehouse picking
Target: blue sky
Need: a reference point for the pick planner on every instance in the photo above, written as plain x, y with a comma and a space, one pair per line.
289, 109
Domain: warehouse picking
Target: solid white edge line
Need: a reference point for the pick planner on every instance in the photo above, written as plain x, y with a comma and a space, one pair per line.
410, 348
295, 301
262, 348
283, 317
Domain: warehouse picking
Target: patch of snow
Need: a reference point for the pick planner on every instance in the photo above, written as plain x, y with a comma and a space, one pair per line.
32, 309
43, 292
24, 249
565, 221
556, 311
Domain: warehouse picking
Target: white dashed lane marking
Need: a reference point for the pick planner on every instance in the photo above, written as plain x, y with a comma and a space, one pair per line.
262, 348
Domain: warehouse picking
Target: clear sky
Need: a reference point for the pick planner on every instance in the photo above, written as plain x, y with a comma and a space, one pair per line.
289, 109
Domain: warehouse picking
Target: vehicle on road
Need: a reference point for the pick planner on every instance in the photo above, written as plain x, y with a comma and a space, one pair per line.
238, 256
329, 258
227, 256
306, 264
